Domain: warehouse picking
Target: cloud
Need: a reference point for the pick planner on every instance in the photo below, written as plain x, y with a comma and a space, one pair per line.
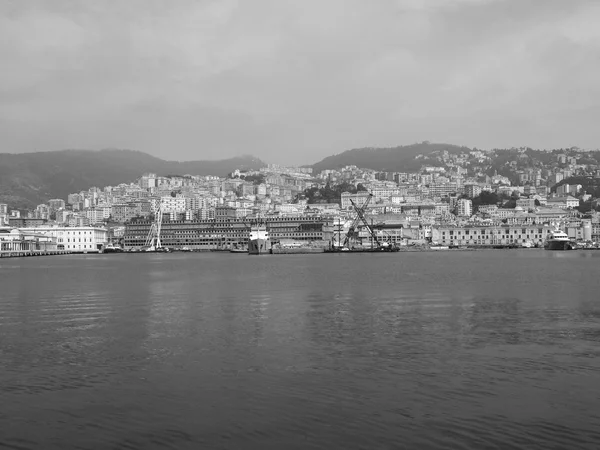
294, 81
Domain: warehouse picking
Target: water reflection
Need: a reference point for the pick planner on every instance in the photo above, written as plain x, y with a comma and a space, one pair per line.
457, 350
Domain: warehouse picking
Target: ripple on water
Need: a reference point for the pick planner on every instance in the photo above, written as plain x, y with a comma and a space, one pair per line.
305, 352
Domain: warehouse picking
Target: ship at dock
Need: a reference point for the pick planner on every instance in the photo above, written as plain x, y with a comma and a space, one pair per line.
558, 240
112, 248
259, 242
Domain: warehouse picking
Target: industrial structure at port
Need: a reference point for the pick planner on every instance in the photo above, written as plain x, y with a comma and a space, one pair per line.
318, 231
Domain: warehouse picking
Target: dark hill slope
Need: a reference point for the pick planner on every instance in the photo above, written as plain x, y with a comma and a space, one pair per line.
32, 178
394, 159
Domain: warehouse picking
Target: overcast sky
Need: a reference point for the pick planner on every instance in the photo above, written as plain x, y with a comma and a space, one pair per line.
295, 81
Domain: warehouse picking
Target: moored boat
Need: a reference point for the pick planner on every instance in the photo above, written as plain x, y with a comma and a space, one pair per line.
110, 248
558, 240
238, 248
259, 242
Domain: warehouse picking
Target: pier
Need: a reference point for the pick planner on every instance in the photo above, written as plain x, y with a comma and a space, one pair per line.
24, 253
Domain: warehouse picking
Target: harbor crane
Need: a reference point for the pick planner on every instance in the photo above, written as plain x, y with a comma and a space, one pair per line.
351, 235
380, 245
153, 239
359, 211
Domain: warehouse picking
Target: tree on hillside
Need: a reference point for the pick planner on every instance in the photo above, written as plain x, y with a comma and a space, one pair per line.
329, 193
254, 179
486, 198
584, 207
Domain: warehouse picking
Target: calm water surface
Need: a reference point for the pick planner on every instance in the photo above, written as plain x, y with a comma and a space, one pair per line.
461, 350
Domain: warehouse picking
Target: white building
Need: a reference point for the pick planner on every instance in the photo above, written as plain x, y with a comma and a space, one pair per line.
148, 180
384, 192
397, 199
358, 199
565, 202
173, 204
288, 208
76, 239
26, 240
464, 207
193, 203
3, 214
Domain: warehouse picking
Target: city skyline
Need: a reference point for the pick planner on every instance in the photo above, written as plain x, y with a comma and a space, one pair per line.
292, 83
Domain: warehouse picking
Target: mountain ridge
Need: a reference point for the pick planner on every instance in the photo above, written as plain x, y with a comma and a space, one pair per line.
28, 179
390, 159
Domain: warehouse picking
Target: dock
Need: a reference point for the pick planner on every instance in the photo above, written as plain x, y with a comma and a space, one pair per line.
25, 253
296, 250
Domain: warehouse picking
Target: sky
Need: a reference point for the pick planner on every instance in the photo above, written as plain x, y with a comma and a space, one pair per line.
292, 82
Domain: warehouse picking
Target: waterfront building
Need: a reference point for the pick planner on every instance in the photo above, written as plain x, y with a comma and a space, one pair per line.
75, 239
226, 230
16, 240
482, 236
595, 230
390, 233
580, 230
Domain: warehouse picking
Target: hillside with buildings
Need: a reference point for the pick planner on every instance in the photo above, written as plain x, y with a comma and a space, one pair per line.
458, 197
32, 178
405, 158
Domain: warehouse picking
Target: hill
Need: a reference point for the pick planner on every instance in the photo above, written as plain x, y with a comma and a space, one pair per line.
392, 159
29, 179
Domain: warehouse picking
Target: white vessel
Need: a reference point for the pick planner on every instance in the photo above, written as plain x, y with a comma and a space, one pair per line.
259, 242
558, 240
527, 244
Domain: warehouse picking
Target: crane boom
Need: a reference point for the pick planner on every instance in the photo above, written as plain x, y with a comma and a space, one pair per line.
360, 212
356, 219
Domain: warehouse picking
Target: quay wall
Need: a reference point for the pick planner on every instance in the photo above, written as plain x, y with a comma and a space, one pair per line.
297, 250
23, 253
